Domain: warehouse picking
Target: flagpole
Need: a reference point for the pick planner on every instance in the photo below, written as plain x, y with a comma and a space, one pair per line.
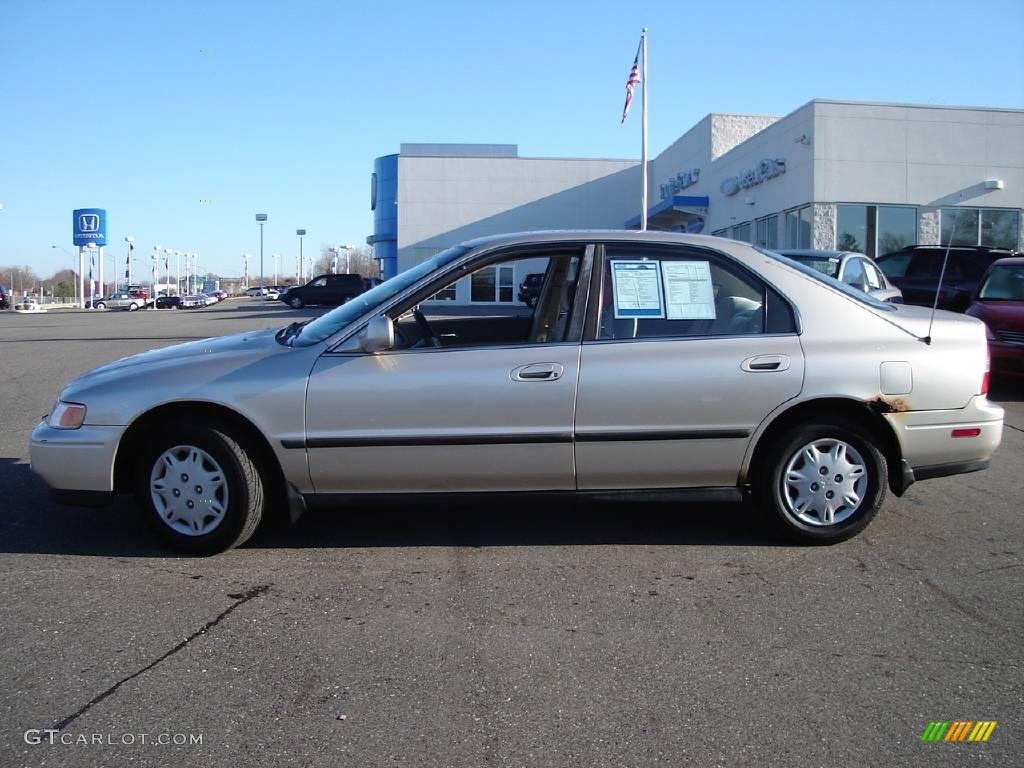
643, 146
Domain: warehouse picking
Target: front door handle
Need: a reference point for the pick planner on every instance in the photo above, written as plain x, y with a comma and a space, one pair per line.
537, 372
766, 363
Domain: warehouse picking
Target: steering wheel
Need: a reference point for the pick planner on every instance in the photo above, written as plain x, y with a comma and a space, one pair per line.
428, 333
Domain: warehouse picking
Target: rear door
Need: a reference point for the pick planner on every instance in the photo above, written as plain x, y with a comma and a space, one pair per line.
686, 352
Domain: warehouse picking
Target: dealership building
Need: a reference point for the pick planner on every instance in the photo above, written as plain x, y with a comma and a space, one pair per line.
832, 174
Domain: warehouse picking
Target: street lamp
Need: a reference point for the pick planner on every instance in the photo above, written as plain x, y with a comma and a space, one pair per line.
246, 257
261, 219
298, 275
277, 258
128, 275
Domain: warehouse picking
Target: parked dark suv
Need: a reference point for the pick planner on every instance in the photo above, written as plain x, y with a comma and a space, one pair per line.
529, 289
915, 270
5, 301
324, 289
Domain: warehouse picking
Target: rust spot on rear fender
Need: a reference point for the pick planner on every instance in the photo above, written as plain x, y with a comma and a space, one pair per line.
883, 404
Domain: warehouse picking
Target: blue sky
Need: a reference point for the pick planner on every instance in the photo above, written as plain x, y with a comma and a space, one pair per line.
118, 105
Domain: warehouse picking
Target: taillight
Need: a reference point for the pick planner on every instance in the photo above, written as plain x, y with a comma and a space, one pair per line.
971, 432
988, 371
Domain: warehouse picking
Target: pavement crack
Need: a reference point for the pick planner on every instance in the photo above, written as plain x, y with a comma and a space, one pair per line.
1019, 429
242, 600
957, 603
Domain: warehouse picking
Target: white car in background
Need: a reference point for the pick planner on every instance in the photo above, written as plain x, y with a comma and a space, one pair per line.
854, 269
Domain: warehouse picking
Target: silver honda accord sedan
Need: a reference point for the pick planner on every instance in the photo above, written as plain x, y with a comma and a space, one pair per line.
692, 367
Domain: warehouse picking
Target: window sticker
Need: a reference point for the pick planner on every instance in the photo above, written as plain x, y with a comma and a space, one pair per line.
689, 293
636, 288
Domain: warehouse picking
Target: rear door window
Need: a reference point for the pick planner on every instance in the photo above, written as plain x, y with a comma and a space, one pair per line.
650, 292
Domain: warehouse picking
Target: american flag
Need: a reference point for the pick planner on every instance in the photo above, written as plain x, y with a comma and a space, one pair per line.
128, 261
631, 82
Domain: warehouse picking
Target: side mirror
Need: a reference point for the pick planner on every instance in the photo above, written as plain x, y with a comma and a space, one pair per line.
378, 335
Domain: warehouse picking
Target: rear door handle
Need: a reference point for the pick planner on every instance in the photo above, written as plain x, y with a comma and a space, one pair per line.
765, 363
537, 372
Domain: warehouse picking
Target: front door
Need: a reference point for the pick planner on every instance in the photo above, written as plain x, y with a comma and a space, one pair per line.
477, 412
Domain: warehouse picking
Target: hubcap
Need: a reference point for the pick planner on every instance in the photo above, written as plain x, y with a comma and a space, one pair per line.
824, 482
188, 490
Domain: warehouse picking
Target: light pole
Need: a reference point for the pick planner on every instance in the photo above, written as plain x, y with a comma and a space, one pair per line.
261, 219
336, 250
245, 258
298, 275
128, 266
277, 258
153, 269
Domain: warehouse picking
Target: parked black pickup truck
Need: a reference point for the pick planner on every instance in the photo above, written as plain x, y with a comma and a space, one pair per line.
324, 289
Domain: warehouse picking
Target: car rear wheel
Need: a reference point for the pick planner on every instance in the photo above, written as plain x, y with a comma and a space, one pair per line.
295, 302
199, 489
825, 482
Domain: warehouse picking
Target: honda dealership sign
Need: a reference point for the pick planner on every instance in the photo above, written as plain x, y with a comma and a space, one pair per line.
90, 226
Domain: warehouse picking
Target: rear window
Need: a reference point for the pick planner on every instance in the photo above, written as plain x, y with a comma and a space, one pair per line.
831, 282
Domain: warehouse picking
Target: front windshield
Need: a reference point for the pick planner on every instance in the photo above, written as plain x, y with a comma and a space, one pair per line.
831, 282
327, 325
1004, 283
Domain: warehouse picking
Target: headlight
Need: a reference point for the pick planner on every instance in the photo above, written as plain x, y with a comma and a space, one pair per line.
67, 415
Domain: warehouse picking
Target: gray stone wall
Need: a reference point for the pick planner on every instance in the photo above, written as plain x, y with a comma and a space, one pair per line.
729, 130
928, 226
823, 227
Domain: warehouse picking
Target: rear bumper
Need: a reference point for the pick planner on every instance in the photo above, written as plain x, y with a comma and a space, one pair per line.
928, 448
909, 475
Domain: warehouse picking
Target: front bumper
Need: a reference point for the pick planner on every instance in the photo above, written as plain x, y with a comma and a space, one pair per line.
75, 462
927, 445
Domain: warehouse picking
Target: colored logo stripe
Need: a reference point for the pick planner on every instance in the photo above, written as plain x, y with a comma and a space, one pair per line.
958, 730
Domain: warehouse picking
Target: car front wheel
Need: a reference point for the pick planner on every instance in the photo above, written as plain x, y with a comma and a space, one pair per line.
295, 302
825, 482
200, 489
100, 305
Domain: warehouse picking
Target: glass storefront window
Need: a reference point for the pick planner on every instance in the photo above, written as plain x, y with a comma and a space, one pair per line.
1000, 228
798, 228
766, 232
742, 232
855, 228
960, 226
482, 284
897, 228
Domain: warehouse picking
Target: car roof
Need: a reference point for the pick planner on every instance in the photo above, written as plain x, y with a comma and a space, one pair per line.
968, 248
556, 236
1009, 261
810, 252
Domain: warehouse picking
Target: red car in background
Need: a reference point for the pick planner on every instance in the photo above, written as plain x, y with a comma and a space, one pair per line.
999, 302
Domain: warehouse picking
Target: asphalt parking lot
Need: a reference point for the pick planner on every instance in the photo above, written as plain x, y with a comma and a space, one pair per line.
422, 635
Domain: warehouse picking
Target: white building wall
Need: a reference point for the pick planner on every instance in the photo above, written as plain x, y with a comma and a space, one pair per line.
446, 200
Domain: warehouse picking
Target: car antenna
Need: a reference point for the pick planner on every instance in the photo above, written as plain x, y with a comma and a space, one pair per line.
945, 260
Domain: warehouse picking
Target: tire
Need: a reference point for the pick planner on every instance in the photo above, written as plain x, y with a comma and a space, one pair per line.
848, 464
233, 506
100, 305
132, 307
295, 302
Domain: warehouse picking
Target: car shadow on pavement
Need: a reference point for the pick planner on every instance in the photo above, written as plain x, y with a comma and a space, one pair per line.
1006, 390
31, 524
504, 523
